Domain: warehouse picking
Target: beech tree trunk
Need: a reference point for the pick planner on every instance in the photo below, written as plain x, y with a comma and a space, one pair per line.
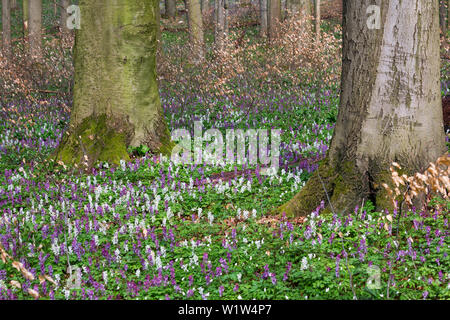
317, 19
442, 17
196, 29
170, 8
116, 101
299, 6
205, 6
274, 18
26, 15
263, 11
64, 4
35, 28
390, 107
220, 23
6, 27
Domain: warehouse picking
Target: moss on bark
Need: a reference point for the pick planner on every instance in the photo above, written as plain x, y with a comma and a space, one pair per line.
97, 138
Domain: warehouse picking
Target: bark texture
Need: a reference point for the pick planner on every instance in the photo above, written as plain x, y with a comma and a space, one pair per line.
64, 4
220, 14
196, 30
317, 19
390, 107
35, 28
170, 8
6, 27
263, 11
116, 99
26, 17
274, 18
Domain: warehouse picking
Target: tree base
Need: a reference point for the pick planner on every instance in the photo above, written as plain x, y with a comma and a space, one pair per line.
95, 139
342, 185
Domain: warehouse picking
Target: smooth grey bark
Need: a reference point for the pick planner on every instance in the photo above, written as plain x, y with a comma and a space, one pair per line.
274, 18
390, 108
263, 14
220, 14
299, 6
196, 30
442, 17
317, 19
64, 4
35, 28
25, 17
205, 6
170, 7
6, 27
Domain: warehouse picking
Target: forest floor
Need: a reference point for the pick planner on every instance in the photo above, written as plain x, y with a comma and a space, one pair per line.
150, 229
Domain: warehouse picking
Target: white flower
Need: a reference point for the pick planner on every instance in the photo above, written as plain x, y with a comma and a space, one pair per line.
304, 265
158, 263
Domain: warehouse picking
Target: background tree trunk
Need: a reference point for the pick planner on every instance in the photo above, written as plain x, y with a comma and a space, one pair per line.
390, 107
35, 28
64, 4
299, 6
317, 20
220, 24
263, 11
116, 99
170, 8
13, 4
26, 15
196, 30
6, 27
274, 18
205, 6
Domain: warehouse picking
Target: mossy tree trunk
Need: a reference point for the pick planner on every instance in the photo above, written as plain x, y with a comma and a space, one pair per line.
35, 28
196, 30
116, 99
390, 107
6, 27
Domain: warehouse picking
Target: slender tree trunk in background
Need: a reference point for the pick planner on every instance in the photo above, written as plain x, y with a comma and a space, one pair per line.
274, 18
35, 28
196, 30
26, 15
13, 4
116, 101
205, 6
442, 16
220, 17
263, 13
6, 27
64, 4
299, 6
317, 20
390, 107
170, 8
